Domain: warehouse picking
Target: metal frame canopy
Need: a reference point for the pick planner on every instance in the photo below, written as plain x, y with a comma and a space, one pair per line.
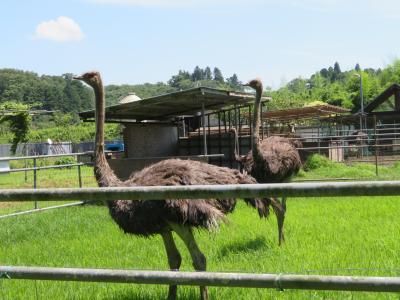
309, 112
170, 106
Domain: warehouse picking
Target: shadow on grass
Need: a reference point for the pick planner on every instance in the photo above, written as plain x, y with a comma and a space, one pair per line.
245, 246
192, 294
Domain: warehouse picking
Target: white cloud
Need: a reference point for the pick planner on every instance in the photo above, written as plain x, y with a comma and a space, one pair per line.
63, 29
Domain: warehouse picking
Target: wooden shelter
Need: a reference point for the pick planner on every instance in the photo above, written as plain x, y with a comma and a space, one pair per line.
302, 113
153, 127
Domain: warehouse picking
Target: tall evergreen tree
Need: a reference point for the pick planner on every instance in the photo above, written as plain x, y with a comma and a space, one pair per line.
233, 81
337, 73
218, 75
198, 74
207, 73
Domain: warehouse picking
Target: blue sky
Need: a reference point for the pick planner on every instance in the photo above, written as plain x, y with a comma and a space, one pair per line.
136, 41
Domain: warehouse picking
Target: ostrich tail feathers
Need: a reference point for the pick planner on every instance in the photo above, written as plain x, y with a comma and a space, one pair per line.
262, 206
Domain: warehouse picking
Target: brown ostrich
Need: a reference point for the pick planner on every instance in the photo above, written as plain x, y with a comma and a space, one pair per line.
149, 217
358, 139
273, 160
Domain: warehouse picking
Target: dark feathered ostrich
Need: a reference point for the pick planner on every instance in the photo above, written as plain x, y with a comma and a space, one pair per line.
145, 218
273, 160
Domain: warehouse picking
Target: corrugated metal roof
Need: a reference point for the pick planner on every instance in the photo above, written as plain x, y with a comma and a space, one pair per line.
324, 110
168, 106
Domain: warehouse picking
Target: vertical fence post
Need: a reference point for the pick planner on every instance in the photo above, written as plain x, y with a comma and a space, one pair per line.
183, 127
26, 163
376, 147
319, 136
35, 180
250, 126
219, 138
79, 176
203, 121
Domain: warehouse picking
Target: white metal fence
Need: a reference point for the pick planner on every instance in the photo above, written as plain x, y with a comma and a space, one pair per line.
280, 281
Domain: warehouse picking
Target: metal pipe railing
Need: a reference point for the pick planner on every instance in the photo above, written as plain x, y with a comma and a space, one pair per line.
244, 280
316, 189
42, 168
43, 156
25, 212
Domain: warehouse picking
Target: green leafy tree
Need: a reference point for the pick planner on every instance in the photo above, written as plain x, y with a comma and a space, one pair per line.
18, 119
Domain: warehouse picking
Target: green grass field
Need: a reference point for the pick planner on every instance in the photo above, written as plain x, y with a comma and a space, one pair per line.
329, 236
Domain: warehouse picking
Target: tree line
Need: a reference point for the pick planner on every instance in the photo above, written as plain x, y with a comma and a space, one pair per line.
341, 88
67, 97
23, 91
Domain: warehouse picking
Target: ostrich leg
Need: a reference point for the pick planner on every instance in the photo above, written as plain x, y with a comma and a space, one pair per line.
198, 258
174, 259
280, 210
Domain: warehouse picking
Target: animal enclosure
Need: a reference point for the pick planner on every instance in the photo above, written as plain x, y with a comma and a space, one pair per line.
197, 124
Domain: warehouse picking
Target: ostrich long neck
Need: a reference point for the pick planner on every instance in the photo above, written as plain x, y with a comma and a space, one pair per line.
236, 145
105, 176
255, 140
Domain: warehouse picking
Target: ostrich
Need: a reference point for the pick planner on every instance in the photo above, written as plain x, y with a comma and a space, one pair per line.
273, 160
361, 139
149, 217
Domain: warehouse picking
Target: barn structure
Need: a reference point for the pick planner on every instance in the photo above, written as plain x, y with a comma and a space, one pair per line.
193, 123
196, 124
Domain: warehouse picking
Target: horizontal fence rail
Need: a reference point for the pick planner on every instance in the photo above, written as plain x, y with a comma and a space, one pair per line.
315, 189
36, 210
245, 280
44, 156
43, 168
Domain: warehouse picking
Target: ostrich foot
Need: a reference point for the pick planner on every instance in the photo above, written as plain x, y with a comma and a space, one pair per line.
203, 293
172, 292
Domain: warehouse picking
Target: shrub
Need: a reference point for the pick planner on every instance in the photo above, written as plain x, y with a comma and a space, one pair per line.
65, 160
316, 161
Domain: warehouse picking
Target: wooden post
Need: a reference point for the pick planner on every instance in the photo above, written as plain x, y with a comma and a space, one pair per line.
376, 147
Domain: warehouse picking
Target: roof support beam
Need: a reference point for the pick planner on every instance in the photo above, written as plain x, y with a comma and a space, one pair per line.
203, 120
397, 99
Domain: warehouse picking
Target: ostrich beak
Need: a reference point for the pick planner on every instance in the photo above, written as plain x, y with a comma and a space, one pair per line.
76, 77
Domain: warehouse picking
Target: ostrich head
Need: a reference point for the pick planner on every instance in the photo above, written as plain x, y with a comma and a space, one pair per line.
91, 78
255, 84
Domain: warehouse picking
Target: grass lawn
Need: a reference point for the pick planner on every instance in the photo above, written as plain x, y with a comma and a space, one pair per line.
331, 236
66, 177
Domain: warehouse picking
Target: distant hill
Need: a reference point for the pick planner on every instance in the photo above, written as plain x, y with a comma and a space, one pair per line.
330, 85
64, 94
